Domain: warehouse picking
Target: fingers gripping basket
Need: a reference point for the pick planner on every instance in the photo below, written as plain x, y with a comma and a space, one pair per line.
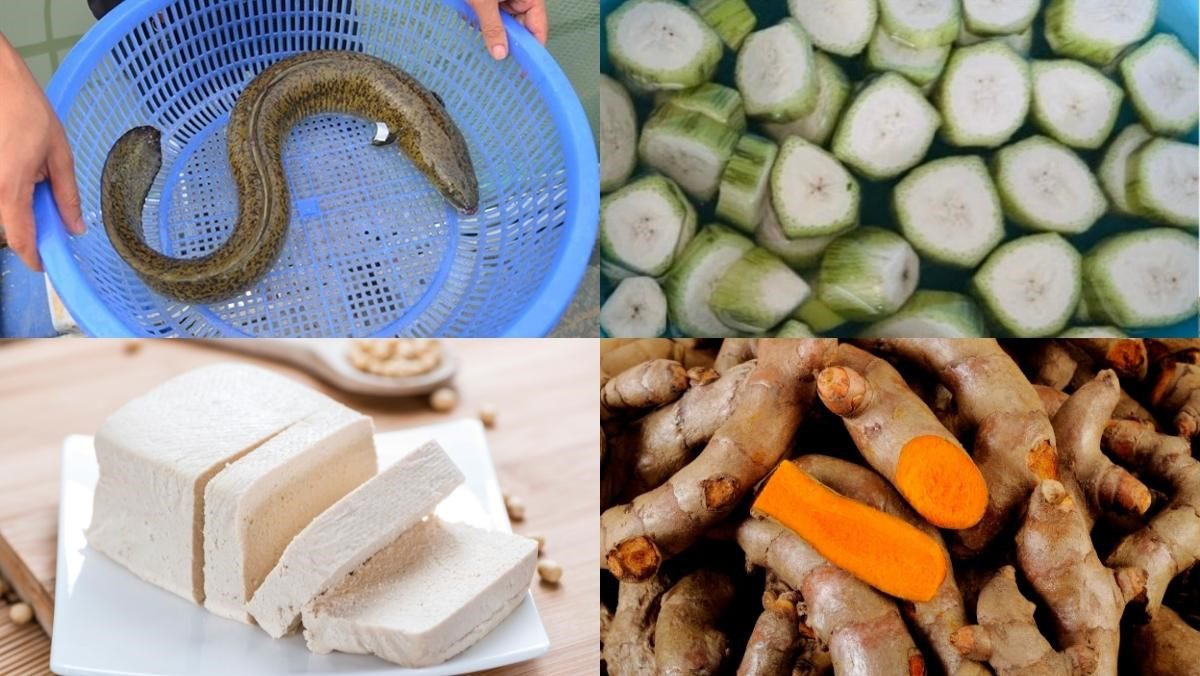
372, 248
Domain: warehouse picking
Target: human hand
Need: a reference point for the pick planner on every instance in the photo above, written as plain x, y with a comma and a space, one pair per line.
529, 13
33, 148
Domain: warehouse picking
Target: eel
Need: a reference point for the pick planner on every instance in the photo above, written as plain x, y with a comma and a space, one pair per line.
274, 101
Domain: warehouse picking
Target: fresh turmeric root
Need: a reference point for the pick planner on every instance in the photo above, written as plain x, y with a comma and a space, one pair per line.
776, 639
1049, 363
1177, 392
628, 641
686, 639
735, 351
1079, 426
1165, 646
1086, 599
1014, 442
661, 443
863, 628
1170, 543
1007, 636
1126, 356
636, 538
902, 439
647, 385
936, 618
880, 549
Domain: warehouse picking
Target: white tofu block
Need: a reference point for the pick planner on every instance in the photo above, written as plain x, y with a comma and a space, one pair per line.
428, 596
342, 537
159, 451
255, 506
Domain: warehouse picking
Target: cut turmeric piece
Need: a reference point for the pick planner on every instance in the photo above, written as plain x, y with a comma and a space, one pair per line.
882, 550
902, 439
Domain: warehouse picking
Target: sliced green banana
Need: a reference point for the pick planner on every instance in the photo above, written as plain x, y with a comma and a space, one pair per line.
662, 44
1113, 170
1074, 103
931, 314
832, 91
743, 194
731, 19
691, 148
867, 274
1045, 186
1162, 182
1030, 286
1097, 31
800, 253
720, 103
816, 315
1161, 77
949, 210
999, 17
1021, 43
1143, 278
983, 95
812, 193
793, 329
757, 292
690, 283
618, 135
644, 226
887, 129
637, 308
776, 74
920, 23
840, 27
922, 66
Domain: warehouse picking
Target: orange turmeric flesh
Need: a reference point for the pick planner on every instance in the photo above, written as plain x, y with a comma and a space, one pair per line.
877, 548
941, 482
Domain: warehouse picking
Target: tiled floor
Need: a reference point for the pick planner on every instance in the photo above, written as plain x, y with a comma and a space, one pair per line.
43, 31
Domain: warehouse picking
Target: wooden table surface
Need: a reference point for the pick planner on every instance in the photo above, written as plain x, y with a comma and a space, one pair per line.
544, 446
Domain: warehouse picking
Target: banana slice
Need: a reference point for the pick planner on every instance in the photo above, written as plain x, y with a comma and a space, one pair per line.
983, 95
867, 274
661, 44
731, 19
922, 66
1162, 182
690, 148
690, 283
812, 193
1143, 278
1161, 77
637, 308
840, 27
1074, 103
1097, 31
1029, 286
920, 23
618, 135
1113, 168
931, 314
949, 210
799, 253
887, 128
1045, 186
775, 73
743, 194
644, 226
998, 17
757, 292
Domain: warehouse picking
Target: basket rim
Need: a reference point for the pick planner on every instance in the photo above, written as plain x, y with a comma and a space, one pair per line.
544, 309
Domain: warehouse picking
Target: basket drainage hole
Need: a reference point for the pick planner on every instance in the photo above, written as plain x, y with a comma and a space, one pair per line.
308, 207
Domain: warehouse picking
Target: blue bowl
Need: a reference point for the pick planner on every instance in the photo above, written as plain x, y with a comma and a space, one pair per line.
1178, 17
372, 249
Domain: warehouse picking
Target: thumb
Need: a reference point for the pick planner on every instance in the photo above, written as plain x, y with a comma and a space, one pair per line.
491, 27
61, 169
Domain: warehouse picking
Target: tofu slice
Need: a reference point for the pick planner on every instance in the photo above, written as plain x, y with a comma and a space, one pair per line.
255, 506
428, 596
342, 537
158, 452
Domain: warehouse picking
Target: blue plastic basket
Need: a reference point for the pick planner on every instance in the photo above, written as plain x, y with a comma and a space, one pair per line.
372, 249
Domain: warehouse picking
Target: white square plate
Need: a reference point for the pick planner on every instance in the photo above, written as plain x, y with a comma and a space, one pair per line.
109, 622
